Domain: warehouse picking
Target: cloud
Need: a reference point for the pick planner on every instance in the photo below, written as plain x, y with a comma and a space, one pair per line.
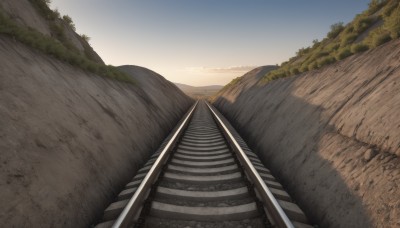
221, 70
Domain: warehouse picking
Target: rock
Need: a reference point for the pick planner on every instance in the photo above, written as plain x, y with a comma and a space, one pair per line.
369, 154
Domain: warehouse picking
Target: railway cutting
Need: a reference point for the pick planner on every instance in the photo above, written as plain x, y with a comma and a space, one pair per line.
203, 175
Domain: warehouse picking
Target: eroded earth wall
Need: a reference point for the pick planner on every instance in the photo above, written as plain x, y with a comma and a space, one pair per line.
70, 140
331, 135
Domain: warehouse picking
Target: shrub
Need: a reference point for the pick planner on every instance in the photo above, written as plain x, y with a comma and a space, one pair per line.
341, 40
69, 21
390, 6
57, 31
85, 37
356, 48
284, 63
279, 75
362, 24
348, 39
348, 29
303, 51
321, 54
332, 47
307, 62
43, 7
335, 30
294, 71
91, 66
56, 13
313, 66
343, 53
326, 61
375, 5
275, 74
380, 39
54, 49
303, 68
392, 23
316, 43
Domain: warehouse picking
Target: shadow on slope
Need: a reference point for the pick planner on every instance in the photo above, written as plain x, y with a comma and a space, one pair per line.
289, 135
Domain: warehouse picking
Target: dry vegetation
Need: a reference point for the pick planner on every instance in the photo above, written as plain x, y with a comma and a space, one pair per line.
58, 45
375, 26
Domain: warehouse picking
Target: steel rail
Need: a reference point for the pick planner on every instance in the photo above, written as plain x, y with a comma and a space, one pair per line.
135, 203
269, 201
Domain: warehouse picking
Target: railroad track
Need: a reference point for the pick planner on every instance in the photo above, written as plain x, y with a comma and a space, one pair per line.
203, 175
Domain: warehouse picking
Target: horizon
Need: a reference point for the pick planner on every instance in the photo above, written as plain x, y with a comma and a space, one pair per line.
203, 43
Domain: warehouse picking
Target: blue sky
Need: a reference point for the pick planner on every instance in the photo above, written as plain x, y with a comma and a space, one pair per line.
204, 42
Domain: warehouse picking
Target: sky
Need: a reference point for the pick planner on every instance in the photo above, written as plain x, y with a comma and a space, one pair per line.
204, 42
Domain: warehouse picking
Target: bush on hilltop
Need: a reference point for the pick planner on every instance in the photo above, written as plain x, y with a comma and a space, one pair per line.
375, 26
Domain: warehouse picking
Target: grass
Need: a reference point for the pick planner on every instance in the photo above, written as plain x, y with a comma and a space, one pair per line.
343, 41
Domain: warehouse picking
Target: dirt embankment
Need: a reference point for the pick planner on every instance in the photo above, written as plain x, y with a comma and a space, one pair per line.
69, 140
332, 136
